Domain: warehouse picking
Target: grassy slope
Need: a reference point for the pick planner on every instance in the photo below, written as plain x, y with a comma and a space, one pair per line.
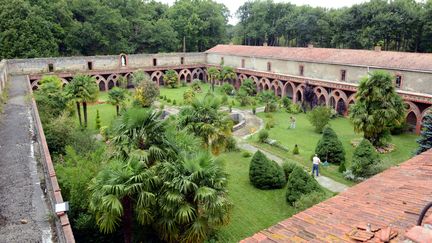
307, 139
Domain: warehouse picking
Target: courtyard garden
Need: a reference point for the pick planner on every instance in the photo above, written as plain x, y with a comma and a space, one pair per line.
129, 174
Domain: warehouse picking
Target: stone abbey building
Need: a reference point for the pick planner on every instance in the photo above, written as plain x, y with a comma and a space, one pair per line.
334, 73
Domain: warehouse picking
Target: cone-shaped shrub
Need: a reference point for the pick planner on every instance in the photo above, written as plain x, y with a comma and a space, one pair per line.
425, 140
364, 159
330, 148
300, 183
265, 173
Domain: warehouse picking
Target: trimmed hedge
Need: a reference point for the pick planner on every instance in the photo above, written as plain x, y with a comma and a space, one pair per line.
265, 173
300, 183
330, 148
288, 167
365, 159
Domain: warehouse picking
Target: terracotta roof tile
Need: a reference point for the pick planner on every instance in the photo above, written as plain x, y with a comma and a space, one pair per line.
394, 197
384, 59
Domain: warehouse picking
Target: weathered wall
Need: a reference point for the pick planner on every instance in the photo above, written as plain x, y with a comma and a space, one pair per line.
3, 75
411, 81
100, 63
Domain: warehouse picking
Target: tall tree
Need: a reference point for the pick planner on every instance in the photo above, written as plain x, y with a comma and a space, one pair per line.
425, 140
213, 75
377, 108
117, 97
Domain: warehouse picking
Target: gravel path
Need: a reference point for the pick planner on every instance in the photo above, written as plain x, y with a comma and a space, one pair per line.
23, 211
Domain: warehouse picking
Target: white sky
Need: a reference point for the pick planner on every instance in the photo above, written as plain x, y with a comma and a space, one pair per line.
233, 5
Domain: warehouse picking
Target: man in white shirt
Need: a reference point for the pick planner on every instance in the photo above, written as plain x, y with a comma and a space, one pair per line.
315, 161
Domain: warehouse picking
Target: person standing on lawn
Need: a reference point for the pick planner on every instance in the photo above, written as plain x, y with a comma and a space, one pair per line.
315, 165
293, 122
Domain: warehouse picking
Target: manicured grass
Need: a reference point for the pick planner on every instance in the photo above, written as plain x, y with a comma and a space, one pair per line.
306, 138
253, 209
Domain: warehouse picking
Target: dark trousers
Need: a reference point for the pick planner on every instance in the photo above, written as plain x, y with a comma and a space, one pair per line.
315, 168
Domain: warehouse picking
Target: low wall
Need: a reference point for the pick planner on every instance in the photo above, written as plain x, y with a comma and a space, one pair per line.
3, 75
102, 63
62, 225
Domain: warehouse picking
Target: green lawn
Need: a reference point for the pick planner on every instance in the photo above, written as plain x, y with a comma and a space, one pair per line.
254, 209
307, 139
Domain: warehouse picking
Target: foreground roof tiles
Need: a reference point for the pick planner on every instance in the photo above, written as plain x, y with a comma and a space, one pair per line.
393, 198
383, 59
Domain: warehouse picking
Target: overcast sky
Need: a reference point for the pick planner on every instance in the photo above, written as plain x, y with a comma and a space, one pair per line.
233, 5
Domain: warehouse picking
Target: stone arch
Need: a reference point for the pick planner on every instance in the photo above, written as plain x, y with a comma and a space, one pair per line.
242, 77
157, 77
339, 95
322, 95
112, 80
298, 97
102, 83
123, 60
277, 86
265, 83
198, 73
129, 78
413, 116
35, 84
185, 75
288, 90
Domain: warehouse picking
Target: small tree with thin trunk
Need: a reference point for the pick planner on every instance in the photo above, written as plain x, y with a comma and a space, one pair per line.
117, 97
213, 74
377, 108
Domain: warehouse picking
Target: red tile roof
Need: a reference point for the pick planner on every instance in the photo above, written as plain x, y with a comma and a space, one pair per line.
383, 59
395, 196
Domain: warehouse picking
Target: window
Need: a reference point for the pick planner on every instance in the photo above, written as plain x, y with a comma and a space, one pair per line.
90, 65
50, 67
343, 75
268, 66
123, 60
181, 60
243, 63
301, 70
398, 81
154, 62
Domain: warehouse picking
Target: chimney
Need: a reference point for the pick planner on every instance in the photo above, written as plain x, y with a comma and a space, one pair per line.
310, 45
378, 48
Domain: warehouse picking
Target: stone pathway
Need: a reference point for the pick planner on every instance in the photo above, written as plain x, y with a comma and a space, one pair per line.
23, 211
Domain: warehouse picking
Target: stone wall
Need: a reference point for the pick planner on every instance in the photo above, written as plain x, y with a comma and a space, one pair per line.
413, 81
101, 63
3, 75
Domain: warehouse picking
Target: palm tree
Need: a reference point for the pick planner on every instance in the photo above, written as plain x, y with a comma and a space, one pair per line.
117, 97
204, 119
82, 89
227, 73
195, 201
121, 193
141, 132
213, 74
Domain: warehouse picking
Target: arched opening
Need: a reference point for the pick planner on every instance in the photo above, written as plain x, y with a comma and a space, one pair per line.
278, 91
332, 103
299, 96
123, 60
35, 88
102, 86
411, 121
322, 100
110, 84
289, 91
341, 107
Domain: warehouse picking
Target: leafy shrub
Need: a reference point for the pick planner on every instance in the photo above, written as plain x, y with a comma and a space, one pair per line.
300, 183
162, 107
288, 167
58, 133
294, 108
330, 148
364, 159
188, 96
83, 141
171, 79
246, 154
296, 149
174, 102
254, 110
265, 173
105, 132
243, 98
269, 99
270, 123
286, 103
196, 85
342, 167
310, 199
263, 135
231, 144
227, 88
319, 117
224, 100
161, 97
146, 93
168, 100
248, 86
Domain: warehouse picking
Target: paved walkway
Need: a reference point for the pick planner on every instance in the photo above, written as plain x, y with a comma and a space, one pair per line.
23, 212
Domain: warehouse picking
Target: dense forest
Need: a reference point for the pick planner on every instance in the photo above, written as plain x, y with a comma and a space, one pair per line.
39, 28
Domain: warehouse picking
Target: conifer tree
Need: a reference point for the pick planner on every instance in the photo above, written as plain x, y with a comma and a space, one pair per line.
425, 140
364, 159
330, 148
265, 173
